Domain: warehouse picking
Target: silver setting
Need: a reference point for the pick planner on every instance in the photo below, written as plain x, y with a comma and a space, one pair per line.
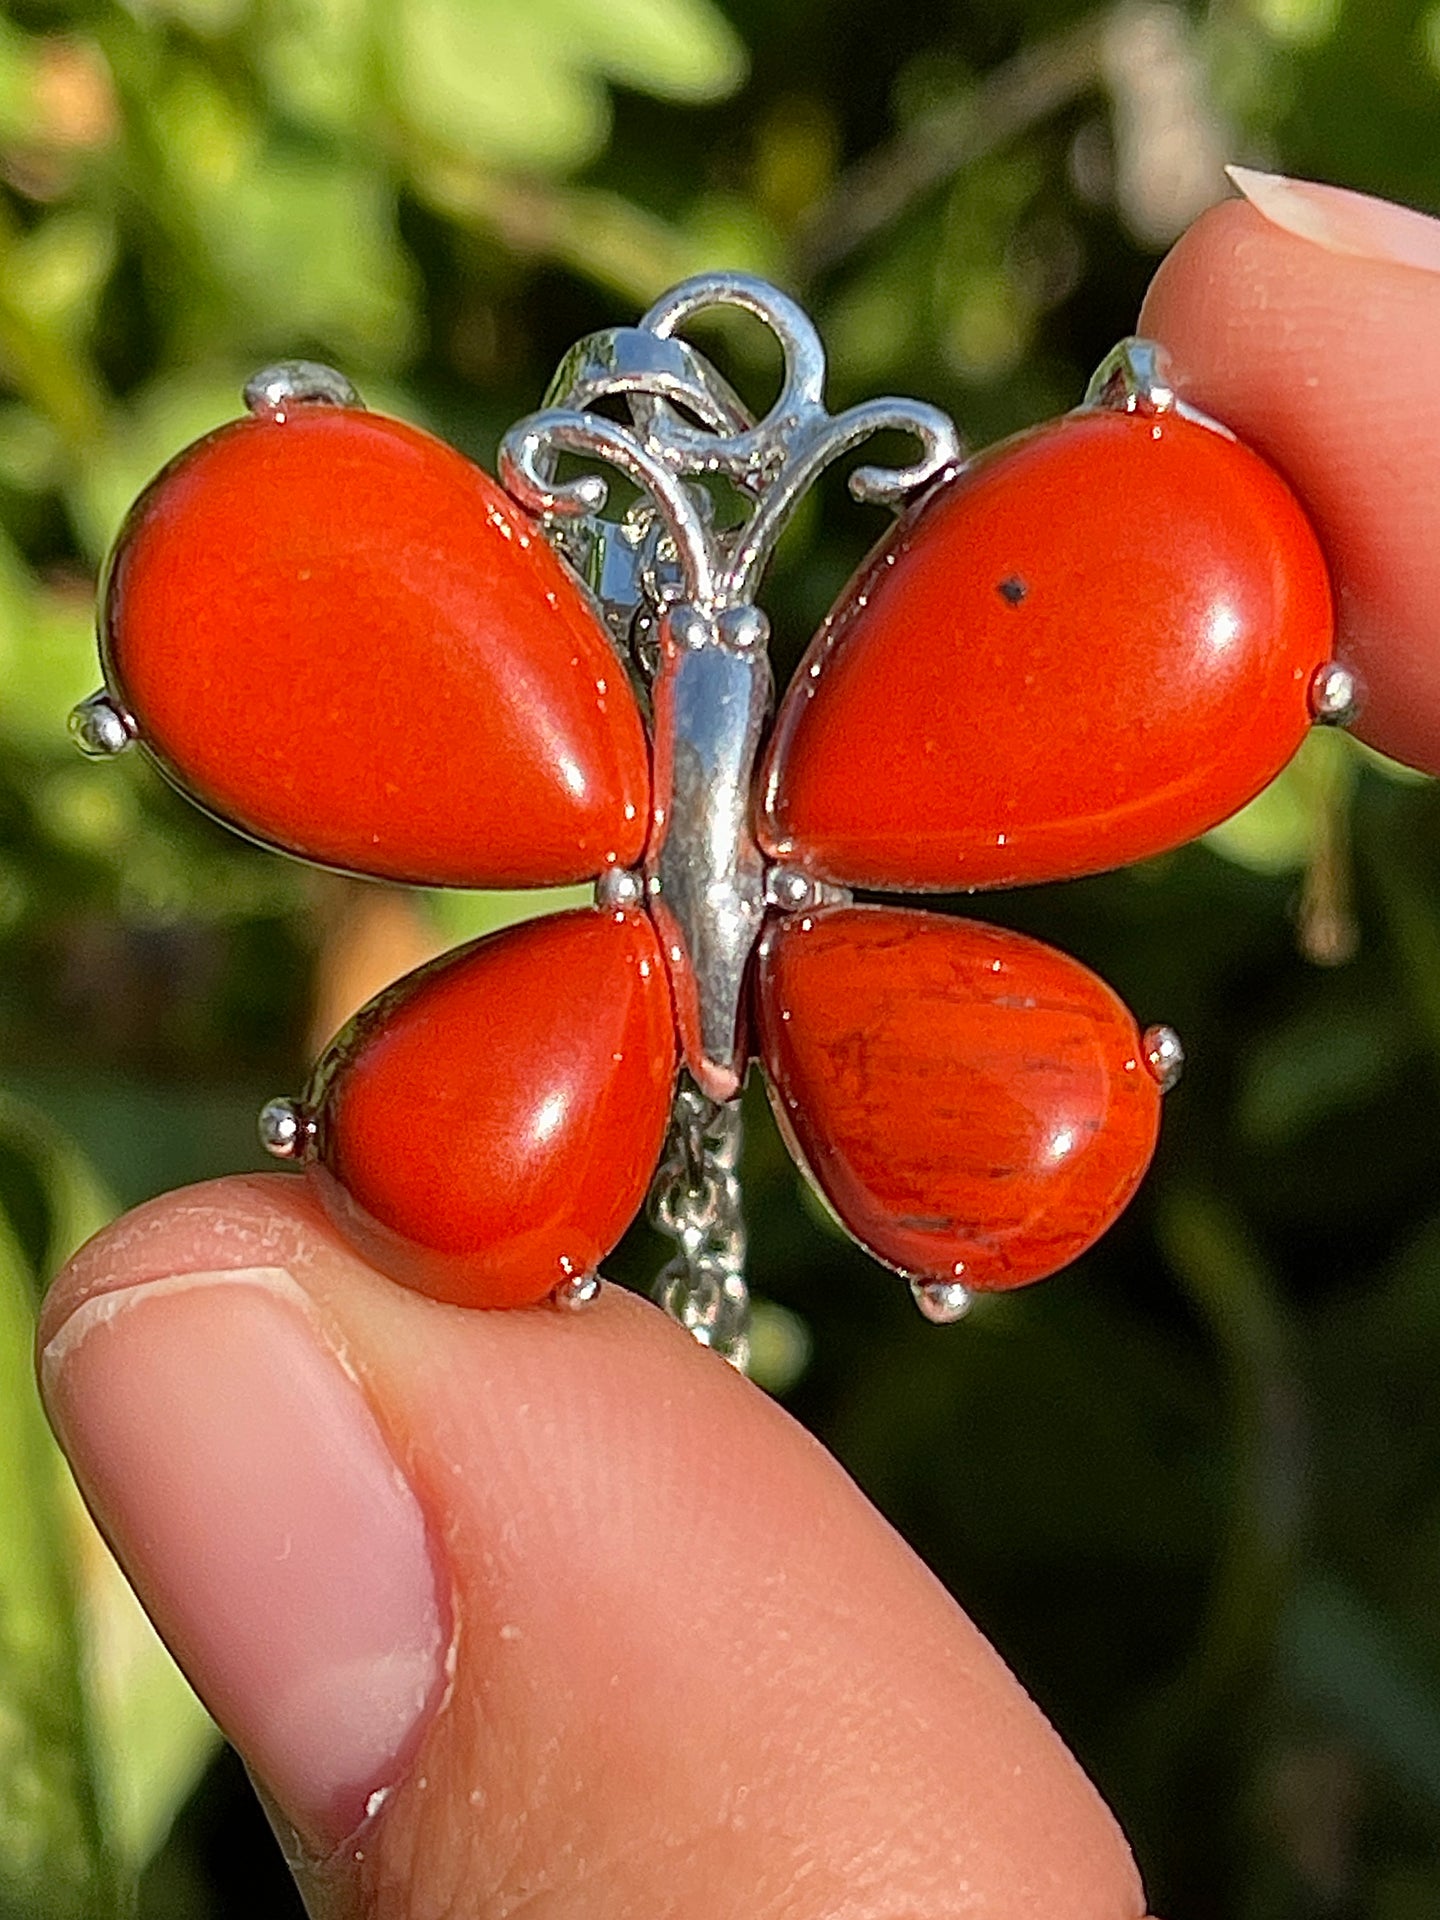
1163, 1055
285, 1129
696, 1201
620, 890
100, 726
1138, 376
789, 890
1336, 695
650, 365
680, 590
527, 462
942, 1302
1134, 377
580, 1291
271, 393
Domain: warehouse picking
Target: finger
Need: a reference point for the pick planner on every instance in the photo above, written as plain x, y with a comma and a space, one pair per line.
585, 1622
1305, 318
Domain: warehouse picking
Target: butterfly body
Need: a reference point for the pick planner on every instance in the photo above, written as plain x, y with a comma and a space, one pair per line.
706, 873
1082, 648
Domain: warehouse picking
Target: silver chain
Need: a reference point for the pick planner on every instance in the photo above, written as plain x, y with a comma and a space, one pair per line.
696, 1201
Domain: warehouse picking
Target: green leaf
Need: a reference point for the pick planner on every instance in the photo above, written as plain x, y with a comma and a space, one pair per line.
524, 86
19, 60
126, 1736
57, 273
55, 1861
1308, 1069
74, 1200
153, 1738
1274, 833
678, 49
466, 916
163, 418
1350, 1664
312, 249
484, 81
47, 653
1281, 829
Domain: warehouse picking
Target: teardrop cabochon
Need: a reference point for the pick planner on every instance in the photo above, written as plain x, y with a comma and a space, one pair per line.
343, 639
487, 1128
975, 1106
1094, 643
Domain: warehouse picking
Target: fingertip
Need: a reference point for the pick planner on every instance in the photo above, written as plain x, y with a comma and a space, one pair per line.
246, 1220
1319, 355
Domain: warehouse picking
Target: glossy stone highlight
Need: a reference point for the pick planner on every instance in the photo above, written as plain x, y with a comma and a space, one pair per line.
487, 1127
974, 1105
345, 640
1094, 643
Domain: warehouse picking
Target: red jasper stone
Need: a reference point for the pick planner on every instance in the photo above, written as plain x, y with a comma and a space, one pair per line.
345, 640
487, 1127
1093, 644
975, 1106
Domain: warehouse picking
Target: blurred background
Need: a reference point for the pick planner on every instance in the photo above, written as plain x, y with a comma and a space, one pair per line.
1191, 1489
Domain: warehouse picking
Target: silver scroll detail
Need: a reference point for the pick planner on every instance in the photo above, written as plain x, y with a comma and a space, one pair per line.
676, 577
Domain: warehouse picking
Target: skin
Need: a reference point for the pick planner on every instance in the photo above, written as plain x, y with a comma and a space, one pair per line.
659, 1656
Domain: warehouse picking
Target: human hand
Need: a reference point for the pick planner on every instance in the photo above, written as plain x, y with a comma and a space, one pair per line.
589, 1623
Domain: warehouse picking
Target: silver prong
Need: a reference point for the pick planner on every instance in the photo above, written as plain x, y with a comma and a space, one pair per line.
1163, 1055
100, 726
745, 628
581, 1290
789, 890
297, 383
620, 890
1134, 377
1336, 695
285, 1129
691, 628
942, 1302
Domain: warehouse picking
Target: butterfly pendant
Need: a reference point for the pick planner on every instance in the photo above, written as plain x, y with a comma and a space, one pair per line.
1076, 650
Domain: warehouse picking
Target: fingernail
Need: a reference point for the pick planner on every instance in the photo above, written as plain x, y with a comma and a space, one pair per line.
1343, 221
245, 1485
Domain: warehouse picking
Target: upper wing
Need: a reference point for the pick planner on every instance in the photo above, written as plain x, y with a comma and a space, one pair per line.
339, 636
1094, 643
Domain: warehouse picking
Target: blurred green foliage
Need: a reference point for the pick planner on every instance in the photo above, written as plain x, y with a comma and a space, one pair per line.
1192, 1489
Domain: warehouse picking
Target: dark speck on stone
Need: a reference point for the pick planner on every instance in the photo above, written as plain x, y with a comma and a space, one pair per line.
1013, 590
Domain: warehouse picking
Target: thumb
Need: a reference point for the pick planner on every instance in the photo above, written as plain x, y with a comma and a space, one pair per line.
530, 1610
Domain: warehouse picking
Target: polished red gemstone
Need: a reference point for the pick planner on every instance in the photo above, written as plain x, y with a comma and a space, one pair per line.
1093, 644
487, 1128
344, 639
975, 1106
